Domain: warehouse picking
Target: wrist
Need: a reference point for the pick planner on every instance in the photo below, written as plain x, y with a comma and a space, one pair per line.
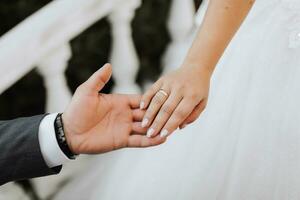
199, 68
69, 134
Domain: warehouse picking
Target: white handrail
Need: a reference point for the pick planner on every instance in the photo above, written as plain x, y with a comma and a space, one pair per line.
42, 40
55, 24
52, 68
36, 41
123, 52
181, 26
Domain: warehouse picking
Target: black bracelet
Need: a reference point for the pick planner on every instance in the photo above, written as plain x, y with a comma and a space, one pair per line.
61, 138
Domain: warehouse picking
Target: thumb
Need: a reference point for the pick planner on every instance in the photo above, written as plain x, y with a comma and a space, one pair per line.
98, 80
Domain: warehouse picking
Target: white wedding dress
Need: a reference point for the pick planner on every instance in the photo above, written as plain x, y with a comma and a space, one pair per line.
245, 146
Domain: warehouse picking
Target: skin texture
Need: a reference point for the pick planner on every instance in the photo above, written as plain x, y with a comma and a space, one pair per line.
188, 87
97, 123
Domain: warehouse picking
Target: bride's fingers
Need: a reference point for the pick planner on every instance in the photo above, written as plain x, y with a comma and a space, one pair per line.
138, 141
146, 98
183, 110
138, 115
164, 114
138, 129
194, 115
157, 101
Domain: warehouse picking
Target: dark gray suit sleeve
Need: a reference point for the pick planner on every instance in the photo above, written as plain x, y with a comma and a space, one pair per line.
20, 154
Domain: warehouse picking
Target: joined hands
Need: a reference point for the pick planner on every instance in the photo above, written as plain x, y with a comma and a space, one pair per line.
99, 123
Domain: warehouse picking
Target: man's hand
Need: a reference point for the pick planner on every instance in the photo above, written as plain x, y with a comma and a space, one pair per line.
98, 123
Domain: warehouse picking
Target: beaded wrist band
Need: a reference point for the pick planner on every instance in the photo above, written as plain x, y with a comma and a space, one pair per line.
61, 137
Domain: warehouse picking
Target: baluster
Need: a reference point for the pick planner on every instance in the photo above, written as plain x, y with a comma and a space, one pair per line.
52, 68
123, 56
201, 12
12, 191
181, 28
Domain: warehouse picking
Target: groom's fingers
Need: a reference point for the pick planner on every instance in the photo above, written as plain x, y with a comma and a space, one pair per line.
139, 141
138, 129
138, 115
98, 80
134, 100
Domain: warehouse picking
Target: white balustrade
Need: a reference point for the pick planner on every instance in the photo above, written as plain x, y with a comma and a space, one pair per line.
43, 39
52, 68
37, 37
201, 12
181, 26
123, 56
56, 24
12, 191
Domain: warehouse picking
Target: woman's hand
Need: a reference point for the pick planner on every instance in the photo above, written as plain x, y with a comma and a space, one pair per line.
175, 100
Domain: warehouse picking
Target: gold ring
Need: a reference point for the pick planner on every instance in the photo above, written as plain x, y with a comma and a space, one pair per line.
163, 92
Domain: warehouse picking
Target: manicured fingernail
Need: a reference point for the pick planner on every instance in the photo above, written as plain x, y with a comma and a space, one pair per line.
142, 105
164, 133
145, 122
150, 132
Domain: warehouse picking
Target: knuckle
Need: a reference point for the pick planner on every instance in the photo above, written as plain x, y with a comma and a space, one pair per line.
202, 107
155, 124
101, 80
197, 115
160, 80
183, 87
145, 98
156, 85
80, 88
179, 114
170, 126
149, 114
193, 97
177, 86
194, 118
151, 91
148, 94
167, 110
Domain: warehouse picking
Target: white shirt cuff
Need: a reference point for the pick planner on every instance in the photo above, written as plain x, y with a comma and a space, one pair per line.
51, 152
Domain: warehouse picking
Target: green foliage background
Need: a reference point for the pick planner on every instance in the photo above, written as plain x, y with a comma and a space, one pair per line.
90, 50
